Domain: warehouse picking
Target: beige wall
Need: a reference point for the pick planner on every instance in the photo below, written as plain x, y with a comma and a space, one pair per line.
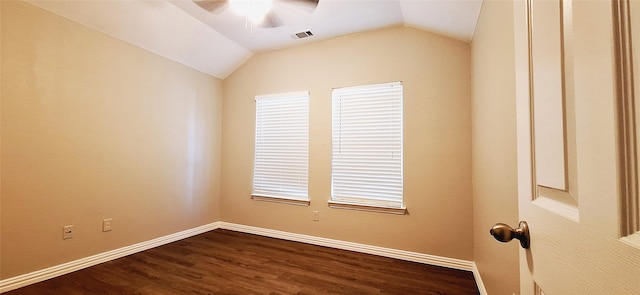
93, 128
1, 59
494, 145
435, 71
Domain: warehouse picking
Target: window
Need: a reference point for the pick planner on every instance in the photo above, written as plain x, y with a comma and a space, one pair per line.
281, 151
367, 148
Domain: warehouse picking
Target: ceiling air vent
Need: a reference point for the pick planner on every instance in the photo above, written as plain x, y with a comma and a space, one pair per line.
302, 35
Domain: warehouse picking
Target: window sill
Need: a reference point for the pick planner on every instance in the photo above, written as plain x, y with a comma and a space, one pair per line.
280, 200
633, 240
368, 208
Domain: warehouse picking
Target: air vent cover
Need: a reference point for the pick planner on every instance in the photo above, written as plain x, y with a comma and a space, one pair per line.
302, 35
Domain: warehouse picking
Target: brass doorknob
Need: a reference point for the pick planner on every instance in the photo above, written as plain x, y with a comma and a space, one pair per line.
505, 233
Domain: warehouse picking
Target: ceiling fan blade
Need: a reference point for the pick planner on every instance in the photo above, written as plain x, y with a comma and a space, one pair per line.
305, 5
211, 5
271, 20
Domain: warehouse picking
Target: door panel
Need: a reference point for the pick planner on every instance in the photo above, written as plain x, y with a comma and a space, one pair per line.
576, 239
547, 84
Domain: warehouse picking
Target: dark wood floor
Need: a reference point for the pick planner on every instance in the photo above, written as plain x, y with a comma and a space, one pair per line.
228, 262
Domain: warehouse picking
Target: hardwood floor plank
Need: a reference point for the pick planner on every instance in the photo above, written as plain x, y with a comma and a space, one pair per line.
228, 262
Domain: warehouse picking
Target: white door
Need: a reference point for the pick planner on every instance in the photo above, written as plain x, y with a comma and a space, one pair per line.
577, 155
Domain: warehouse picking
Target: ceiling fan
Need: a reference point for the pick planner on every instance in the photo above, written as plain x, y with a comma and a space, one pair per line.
263, 12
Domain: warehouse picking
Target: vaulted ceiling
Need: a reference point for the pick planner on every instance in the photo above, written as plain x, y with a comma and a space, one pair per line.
217, 41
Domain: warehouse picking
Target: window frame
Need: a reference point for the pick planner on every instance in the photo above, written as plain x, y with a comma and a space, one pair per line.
373, 202
262, 188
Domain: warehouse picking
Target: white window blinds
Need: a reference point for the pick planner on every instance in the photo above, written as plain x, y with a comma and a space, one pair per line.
367, 145
281, 151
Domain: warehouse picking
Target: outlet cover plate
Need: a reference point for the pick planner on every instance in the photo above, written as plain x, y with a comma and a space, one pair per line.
67, 232
106, 224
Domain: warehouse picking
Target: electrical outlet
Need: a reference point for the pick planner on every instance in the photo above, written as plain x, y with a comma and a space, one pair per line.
106, 224
316, 216
67, 232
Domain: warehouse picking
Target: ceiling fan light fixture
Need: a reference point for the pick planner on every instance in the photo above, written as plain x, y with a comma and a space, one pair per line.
254, 10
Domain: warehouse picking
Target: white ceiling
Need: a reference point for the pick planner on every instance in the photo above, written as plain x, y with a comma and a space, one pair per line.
218, 42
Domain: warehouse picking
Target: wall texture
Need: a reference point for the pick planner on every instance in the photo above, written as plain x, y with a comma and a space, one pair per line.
435, 72
95, 128
494, 145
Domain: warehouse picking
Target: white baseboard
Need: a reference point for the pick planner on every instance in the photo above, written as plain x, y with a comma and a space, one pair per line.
476, 275
386, 252
65, 268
